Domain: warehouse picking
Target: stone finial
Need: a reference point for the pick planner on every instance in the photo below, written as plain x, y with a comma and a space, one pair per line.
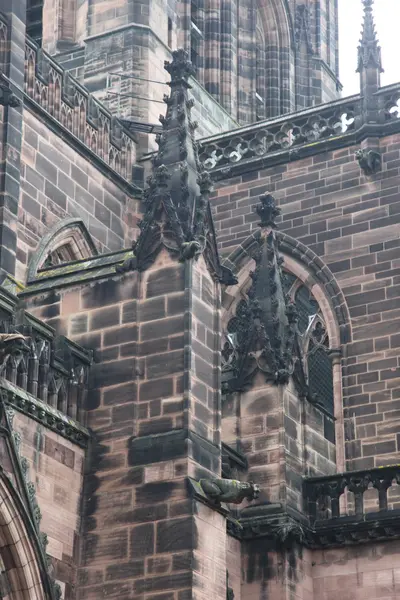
369, 52
267, 211
180, 68
265, 325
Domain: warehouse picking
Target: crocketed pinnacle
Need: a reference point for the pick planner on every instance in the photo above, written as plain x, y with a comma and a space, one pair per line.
369, 51
266, 323
178, 215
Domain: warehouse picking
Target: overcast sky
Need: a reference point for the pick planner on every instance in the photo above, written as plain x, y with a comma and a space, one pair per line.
387, 13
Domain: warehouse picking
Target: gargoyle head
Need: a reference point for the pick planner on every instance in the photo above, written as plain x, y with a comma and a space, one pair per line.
12, 344
254, 491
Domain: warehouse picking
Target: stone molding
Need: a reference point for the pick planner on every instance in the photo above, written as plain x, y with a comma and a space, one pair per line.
46, 415
317, 268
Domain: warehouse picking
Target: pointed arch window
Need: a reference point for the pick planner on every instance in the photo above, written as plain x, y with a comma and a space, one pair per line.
316, 344
260, 74
68, 241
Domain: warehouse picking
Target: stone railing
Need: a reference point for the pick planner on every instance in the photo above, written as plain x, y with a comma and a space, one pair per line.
67, 101
354, 493
333, 120
52, 369
389, 103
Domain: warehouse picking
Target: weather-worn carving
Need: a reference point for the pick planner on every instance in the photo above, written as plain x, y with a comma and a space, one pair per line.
178, 215
229, 490
370, 161
12, 344
283, 134
302, 27
262, 334
7, 97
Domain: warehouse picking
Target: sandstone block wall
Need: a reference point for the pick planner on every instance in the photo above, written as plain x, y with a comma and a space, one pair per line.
153, 409
56, 467
57, 182
352, 223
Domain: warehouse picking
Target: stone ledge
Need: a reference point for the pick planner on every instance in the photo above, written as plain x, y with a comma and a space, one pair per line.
46, 415
280, 527
77, 272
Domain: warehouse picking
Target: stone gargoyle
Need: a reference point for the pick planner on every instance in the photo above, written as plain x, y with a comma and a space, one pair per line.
12, 344
229, 490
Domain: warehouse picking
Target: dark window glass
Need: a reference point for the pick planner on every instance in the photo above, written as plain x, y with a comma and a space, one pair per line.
320, 376
288, 280
61, 255
306, 307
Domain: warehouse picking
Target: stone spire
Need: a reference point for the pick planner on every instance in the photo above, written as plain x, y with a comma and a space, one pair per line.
178, 215
369, 52
264, 328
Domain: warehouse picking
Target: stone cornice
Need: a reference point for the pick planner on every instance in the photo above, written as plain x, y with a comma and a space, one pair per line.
280, 527
76, 273
46, 415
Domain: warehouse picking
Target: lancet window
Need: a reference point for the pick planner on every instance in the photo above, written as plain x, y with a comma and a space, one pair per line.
315, 342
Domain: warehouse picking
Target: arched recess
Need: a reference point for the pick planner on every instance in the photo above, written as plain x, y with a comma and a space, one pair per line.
69, 240
278, 30
310, 273
261, 90
23, 564
309, 268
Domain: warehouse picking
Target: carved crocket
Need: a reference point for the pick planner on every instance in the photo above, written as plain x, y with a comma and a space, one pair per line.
229, 490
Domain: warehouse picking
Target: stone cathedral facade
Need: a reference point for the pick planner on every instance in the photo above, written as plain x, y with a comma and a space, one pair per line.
199, 304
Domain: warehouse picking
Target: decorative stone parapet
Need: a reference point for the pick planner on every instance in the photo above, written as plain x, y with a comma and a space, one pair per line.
41, 367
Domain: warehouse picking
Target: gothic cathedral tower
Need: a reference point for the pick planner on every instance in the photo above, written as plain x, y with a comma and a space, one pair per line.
254, 59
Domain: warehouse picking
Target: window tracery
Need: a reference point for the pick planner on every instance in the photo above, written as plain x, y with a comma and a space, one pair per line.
60, 255
313, 336
315, 339
69, 240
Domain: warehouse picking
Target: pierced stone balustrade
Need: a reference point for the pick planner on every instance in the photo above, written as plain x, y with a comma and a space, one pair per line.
335, 119
324, 497
56, 92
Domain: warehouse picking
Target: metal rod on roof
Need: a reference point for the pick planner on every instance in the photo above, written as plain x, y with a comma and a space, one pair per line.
137, 77
133, 96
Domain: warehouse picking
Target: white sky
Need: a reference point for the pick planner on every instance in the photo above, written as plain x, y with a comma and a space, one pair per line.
387, 20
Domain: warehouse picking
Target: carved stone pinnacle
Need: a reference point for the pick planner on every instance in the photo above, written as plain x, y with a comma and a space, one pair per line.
180, 68
267, 211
